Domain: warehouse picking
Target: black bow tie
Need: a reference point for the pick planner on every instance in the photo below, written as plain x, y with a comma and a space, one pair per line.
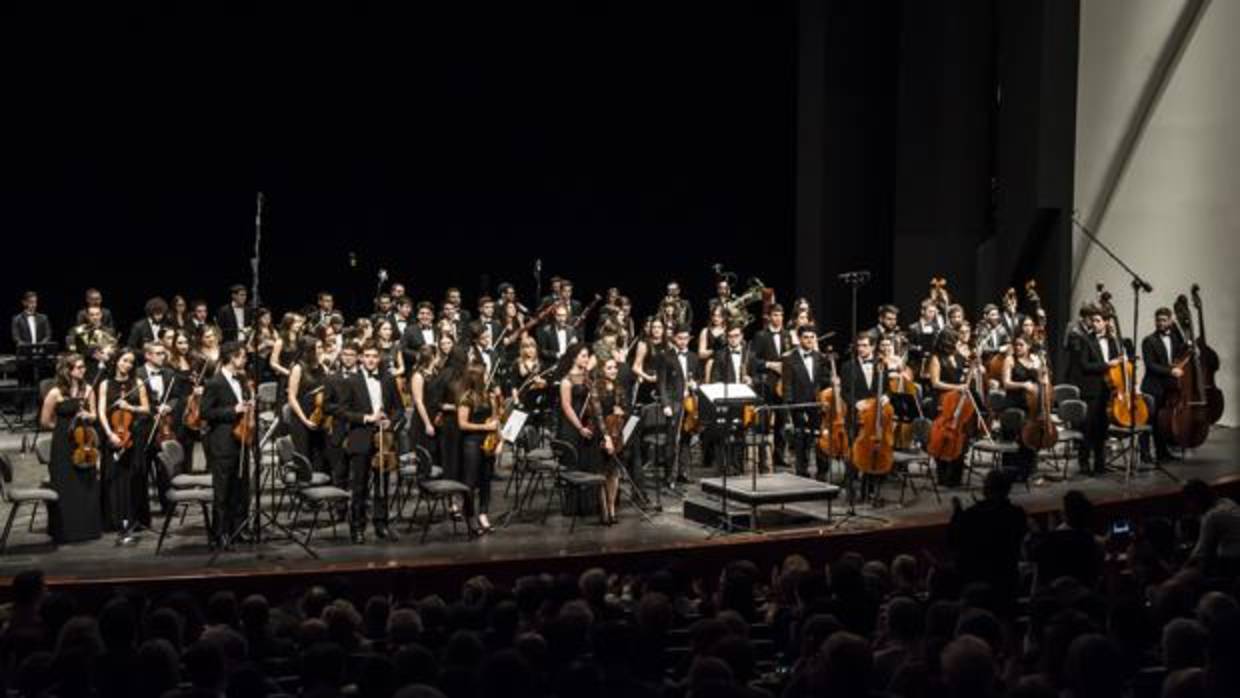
805, 355
736, 352
372, 374
867, 362
153, 373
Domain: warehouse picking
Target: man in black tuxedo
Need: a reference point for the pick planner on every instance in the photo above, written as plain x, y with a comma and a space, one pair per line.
370, 402
337, 394
486, 318
1069, 371
804, 374
679, 373
554, 339
462, 316
199, 318
769, 345
422, 332
734, 363
236, 317
1158, 350
1010, 317
481, 351
147, 329
94, 299
325, 309
1092, 354
860, 375
164, 394
224, 400
30, 326
402, 317
566, 299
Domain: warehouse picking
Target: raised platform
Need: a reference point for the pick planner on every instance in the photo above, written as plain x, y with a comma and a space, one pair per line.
530, 545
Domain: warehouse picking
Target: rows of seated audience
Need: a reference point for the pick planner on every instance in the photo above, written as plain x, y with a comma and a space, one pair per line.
1015, 610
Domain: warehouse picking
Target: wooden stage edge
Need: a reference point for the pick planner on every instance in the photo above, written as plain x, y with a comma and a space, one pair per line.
443, 574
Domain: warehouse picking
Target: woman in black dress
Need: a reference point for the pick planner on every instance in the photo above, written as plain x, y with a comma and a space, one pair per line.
714, 337
647, 358
122, 398
949, 373
307, 383
262, 341
1020, 379
476, 418
608, 400
284, 350
426, 396
76, 516
450, 364
578, 418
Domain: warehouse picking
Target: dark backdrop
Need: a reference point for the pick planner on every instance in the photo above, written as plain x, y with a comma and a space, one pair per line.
621, 143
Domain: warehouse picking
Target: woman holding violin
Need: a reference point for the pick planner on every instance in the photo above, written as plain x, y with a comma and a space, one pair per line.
307, 403
477, 416
68, 412
1022, 371
608, 407
578, 425
122, 400
949, 377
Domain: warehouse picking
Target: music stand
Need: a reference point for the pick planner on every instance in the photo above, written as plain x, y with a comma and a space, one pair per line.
722, 404
30, 358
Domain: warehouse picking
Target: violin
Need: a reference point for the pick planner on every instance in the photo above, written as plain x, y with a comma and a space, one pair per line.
691, 420
192, 419
85, 443
318, 410
832, 434
1127, 407
490, 444
121, 420
384, 460
244, 430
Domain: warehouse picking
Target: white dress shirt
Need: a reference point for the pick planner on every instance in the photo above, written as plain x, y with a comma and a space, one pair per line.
239, 317
775, 335
1166, 342
1104, 348
30, 322
561, 340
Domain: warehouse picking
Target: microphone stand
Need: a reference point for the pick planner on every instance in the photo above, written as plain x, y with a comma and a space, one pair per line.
1139, 286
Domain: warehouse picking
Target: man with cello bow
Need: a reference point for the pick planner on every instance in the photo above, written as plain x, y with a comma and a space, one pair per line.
1160, 349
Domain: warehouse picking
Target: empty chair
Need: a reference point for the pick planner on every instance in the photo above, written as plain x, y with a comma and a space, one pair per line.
437, 492
307, 492
17, 496
914, 462
181, 499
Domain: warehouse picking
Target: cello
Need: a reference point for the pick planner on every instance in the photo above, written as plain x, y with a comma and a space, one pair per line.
958, 415
1185, 414
1127, 407
832, 434
873, 450
1039, 431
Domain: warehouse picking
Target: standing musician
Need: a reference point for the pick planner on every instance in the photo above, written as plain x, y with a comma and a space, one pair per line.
609, 399
1010, 317
402, 317
164, 393
225, 400
648, 357
723, 294
682, 312
122, 398
383, 308
510, 337
425, 398
923, 336
949, 372
307, 384
714, 337
526, 386
556, 338
804, 374
69, 403
451, 364
733, 363
199, 317
236, 318
178, 312
888, 326
1158, 350
88, 338
30, 326
1092, 354
370, 402
481, 352
476, 417
325, 310
422, 332
679, 373
284, 351
994, 336
566, 300
769, 346
459, 314
147, 329
487, 317
337, 429
580, 421
1021, 373
94, 299
860, 378
391, 359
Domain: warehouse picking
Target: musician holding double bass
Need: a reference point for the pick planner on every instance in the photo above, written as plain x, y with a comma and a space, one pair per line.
1160, 349
369, 403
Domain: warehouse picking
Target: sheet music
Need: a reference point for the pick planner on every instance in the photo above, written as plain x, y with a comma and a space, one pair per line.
730, 391
512, 428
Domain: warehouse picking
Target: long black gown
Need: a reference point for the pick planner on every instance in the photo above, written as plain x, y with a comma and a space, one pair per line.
124, 495
76, 516
1023, 461
589, 453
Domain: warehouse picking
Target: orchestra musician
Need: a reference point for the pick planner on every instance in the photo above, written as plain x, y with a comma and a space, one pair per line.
1010, 317
402, 317
566, 300
324, 311
555, 338
422, 333
769, 346
425, 398
481, 351
732, 363
75, 516
860, 378
923, 336
713, 337
1091, 355
804, 374
369, 402
609, 399
1021, 372
306, 381
680, 309
262, 340
87, 336
476, 418
94, 299
487, 318
888, 326
165, 393
451, 366
1159, 350
178, 312
994, 336
199, 318
226, 398
236, 317
955, 316
723, 294
30, 326
391, 358
147, 329
454, 310
284, 350
949, 371
122, 454
679, 373
336, 385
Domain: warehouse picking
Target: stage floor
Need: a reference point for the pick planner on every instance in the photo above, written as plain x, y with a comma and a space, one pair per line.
529, 539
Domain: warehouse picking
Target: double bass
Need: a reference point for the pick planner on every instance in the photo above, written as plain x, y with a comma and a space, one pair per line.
833, 434
1127, 407
1185, 415
1209, 364
873, 451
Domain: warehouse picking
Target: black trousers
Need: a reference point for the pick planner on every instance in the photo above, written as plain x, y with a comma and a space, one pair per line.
231, 490
950, 472
676, 463
1093, 456
802, 440
1160, 444
477, 471
361, 476
311, 443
